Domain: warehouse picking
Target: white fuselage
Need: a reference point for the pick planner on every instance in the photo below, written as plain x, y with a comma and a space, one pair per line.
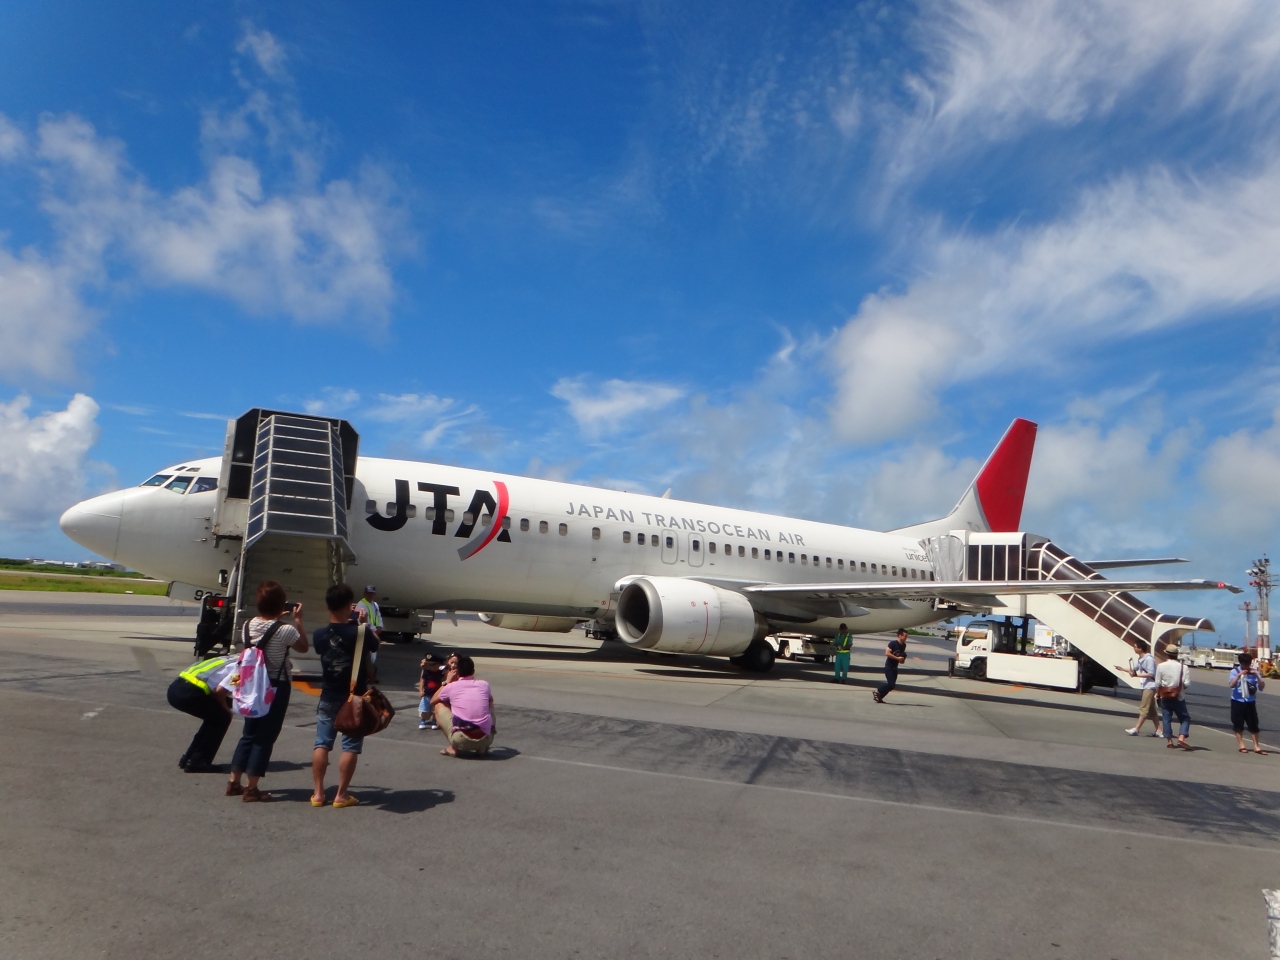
568, 546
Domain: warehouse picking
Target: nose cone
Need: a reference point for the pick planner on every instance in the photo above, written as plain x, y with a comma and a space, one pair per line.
95, 523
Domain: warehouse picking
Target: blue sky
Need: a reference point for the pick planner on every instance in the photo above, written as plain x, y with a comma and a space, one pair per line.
800, 257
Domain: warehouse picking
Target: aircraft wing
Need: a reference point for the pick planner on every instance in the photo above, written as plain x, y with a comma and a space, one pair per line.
967, 591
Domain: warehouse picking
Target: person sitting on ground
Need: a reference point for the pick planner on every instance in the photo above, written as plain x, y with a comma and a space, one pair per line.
1245, 684
276, 638
336, 645
1171, 682
430, 680
464, 711
1144, 668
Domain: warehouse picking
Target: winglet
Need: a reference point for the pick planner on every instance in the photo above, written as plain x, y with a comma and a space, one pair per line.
1002, 482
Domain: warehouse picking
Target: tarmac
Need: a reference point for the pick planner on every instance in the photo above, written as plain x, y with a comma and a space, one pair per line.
633, 806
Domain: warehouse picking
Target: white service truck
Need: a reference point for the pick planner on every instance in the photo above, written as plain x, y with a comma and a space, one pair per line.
992, 650
794, 645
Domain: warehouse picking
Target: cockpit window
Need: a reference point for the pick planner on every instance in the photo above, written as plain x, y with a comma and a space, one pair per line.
179, 484
205, 483
157, 480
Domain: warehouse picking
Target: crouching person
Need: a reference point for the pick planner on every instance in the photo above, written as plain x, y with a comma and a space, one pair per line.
464, 711
336, 645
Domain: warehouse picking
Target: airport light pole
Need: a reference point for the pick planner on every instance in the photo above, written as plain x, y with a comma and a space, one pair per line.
1260, 578
1247, 607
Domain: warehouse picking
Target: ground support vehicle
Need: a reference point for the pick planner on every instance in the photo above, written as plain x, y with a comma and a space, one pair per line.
403, 626
998, 650
796, 645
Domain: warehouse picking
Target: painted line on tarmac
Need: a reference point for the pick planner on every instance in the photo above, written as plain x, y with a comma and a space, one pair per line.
933, 808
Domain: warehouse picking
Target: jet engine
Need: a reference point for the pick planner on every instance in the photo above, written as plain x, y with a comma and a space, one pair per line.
672, 615
515, 621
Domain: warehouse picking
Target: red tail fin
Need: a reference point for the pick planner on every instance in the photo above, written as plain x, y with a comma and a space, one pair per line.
1002, 482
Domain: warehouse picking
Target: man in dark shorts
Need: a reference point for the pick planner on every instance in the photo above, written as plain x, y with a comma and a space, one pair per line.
336, 645
895, 655
1245, 684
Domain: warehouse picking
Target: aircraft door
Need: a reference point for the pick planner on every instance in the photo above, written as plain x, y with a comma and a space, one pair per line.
696, 548
670, 546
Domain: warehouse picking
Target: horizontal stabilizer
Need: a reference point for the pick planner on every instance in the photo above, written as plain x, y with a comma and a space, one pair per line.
1146, 562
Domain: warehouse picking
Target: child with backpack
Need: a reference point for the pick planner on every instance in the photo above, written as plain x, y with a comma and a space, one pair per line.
431, 680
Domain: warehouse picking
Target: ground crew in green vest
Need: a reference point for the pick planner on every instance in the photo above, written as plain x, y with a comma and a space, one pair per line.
199, 691
843, 644
367, 611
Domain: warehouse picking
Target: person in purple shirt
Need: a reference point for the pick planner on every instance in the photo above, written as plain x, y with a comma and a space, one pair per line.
464, 711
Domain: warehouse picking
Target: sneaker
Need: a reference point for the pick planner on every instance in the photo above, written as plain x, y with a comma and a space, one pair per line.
433, 726
423, 725
1153, 734
1132, 731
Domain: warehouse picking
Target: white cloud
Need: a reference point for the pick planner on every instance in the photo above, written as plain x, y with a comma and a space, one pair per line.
333, 401
993, 69
265, 49
294, 246
1140, 254
613, 402
409, 406
1239, 472
922, 483
43, 470
41, 316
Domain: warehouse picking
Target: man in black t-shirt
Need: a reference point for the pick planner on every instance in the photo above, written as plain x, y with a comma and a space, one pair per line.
336, 644
895, 654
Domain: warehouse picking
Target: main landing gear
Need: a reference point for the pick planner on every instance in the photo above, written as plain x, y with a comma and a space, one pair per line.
757, 658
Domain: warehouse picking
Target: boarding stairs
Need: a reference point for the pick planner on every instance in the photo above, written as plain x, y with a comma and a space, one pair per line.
287, 481
1101, 625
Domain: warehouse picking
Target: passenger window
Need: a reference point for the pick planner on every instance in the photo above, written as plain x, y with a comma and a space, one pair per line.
873, 568
486, 519
640, 539
411, 510
595, 533
742, 551
755, 553
804, 558
768, 555
670, 542
542, 526
158, 480
467, 517
178, 484
728, 549
448, 515
506, 523
791, 557
828, 563
712, 546
653, 540
370, 507
695, 546
391, 508
913, 573
779, 556
930, 574
524, 524
429, 512
564, 529
839, 564
626, 536
864, 566
205, 483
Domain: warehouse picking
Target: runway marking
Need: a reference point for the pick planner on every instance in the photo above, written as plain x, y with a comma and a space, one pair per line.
932, 808
93, 713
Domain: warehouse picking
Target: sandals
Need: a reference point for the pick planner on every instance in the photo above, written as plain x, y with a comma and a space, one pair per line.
318, 803
254, 795
234, 789
1261, 753
349, 802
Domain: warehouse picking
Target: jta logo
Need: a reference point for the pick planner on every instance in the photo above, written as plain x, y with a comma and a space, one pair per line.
482, 501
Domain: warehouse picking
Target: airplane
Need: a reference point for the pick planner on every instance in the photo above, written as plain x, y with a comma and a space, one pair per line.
662, 575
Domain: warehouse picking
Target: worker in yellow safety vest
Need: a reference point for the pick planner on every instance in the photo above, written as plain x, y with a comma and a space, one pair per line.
199, 691
843, 643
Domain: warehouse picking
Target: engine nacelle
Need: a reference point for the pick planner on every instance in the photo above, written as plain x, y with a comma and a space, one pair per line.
517, 621
673, 615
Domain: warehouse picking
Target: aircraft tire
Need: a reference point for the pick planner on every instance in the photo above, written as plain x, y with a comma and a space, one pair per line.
758, 658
